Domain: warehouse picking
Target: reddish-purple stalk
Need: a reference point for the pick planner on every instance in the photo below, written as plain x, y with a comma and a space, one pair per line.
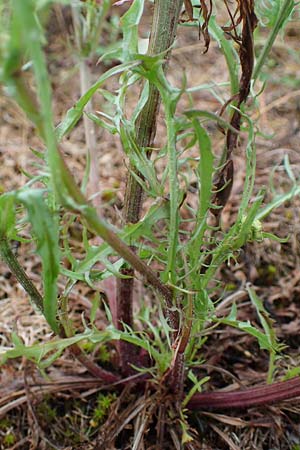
254, 396
127, 351
263, 395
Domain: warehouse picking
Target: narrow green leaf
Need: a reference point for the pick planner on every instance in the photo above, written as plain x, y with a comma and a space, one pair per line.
268, 326
230, 54
195, 113
139, 160
37, 352
7, 215
74, 114
278, 200
129, 23
196, 388
205, 175
250, 329
95, 306
46, 231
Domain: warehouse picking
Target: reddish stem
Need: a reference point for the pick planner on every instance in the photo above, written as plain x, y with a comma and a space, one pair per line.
260, 395
93, 369
127, 351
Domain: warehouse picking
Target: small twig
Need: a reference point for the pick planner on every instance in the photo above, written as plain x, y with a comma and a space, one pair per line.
230, 299
284, 99
225, 437
38, 432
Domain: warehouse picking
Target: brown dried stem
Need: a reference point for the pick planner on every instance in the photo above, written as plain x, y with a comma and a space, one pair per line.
244, 14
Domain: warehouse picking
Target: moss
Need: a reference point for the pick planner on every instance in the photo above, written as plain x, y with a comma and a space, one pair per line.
101, 410
272, 270
267, 273
44, 409
230, 287
4, 424
104, 354
9, 439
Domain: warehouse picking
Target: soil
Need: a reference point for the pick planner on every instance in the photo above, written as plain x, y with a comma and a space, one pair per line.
63, 417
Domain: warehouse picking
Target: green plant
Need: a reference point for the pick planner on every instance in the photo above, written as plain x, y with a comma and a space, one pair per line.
188, 252
9, 440
104, 402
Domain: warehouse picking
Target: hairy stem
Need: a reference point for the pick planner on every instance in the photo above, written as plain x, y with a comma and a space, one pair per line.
163, 32
13, 264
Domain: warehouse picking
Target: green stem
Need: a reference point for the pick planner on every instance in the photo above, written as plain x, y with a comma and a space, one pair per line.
173, 232
163, 32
